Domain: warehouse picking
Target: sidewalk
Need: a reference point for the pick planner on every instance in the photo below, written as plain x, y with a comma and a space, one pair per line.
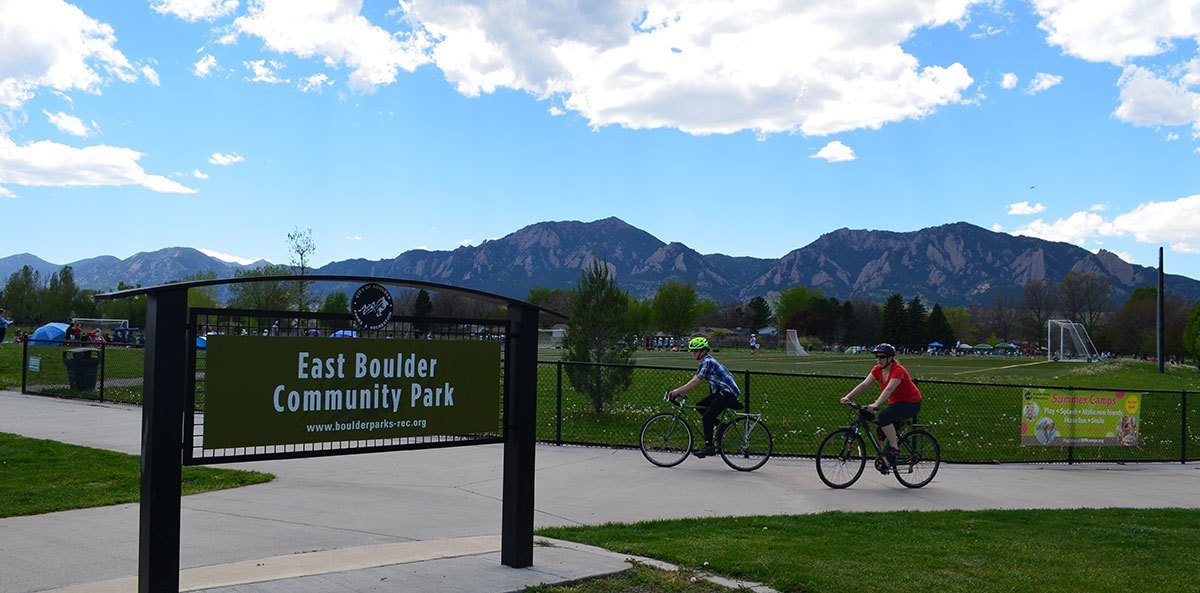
431, 519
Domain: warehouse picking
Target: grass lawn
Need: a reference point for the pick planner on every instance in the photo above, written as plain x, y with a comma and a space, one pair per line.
39, 476
1094, 551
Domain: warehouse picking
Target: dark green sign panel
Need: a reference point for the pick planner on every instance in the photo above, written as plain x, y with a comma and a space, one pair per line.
266, 390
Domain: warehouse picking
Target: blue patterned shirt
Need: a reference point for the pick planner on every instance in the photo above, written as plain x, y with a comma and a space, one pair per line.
720, 380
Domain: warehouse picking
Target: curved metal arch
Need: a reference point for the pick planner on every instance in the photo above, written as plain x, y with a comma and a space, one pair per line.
470, 292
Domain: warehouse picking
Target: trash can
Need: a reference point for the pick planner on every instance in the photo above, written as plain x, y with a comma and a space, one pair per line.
82, 364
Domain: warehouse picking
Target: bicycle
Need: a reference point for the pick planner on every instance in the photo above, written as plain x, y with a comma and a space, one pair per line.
742, 439
841, 456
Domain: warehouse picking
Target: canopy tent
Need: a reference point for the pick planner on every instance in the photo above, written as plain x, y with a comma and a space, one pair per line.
964, 347
344, 333
983, 347
201, 342
51, 332
936, 344
1006, 346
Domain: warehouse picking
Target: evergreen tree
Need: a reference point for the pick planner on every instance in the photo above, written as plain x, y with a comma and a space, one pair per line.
938, 329
759, 312
1191, 334
915, 315
21, 296
598, 335
893, 321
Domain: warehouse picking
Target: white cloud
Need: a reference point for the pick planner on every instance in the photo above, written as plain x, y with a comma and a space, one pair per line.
336, 33
1172, 136
1009, 81
195, 10
1150, 100
1021, 208
225, 159
996, 227
835, 152
198, 174
151, 75
354, 237
6, 193
701, 66
316, 82
556, 111
68, 124
49, 164
264, 71
1077, 228
1125, 256
204, 66
1042, 81
1171, 222
1165, 222
227, 257
1115, 31
50, 43
1098, 208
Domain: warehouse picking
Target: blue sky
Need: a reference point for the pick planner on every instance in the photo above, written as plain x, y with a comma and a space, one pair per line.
745, 128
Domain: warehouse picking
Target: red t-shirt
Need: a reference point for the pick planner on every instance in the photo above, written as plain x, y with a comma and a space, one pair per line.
906, 391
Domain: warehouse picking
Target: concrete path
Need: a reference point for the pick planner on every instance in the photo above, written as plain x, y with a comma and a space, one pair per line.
431, 519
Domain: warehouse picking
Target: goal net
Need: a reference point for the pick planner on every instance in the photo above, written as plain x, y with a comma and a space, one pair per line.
104, 325
550, 338
793, 344
1068, 341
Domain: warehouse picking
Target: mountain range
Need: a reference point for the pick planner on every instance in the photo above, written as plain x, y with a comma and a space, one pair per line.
953, 264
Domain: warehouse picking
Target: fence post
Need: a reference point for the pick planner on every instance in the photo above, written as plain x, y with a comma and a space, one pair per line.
558, 408
24, 363
1183, 427
103, 362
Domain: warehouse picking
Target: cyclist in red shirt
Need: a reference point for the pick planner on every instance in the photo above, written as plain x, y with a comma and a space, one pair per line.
898, 389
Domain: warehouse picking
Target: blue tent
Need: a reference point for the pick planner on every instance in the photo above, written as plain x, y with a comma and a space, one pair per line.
201, 342
344, 333
51, 332
935, 344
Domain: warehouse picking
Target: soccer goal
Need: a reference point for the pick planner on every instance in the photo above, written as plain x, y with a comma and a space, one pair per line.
104, 325
793, 344
551, 338
1068, 341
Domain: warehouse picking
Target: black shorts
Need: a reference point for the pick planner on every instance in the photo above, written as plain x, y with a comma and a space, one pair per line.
899, 411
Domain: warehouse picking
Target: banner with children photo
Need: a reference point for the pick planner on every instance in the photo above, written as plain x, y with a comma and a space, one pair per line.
1052, 418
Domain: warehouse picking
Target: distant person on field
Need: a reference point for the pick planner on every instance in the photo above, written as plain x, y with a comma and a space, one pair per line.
723, 391
897, 388
4, 323
753, 344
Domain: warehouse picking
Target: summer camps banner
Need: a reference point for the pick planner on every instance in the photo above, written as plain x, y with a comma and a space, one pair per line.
290, 390
1051, 418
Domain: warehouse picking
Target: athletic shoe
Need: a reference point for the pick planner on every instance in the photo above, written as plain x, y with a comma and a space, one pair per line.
705, 452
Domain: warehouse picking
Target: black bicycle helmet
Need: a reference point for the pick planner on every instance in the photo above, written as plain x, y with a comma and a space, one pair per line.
884, 349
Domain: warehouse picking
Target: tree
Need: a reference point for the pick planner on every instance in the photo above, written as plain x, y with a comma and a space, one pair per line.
265, 294
759, 313
205, 296
675, 308
336, 302
131, 308
1038, 301
866, 327
21, 296
937, 327
301, 247
1191, 335
554, 299
789, 305
893, 321
422, 308
960, 321
598, 333
915, 315
1002, 316
1085, 297
62, 299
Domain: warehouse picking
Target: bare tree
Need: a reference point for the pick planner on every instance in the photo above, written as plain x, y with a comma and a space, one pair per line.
301, 247
1039, 299
1003, 315
1085, 297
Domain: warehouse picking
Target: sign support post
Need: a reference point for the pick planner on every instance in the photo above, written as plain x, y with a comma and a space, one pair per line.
520, 377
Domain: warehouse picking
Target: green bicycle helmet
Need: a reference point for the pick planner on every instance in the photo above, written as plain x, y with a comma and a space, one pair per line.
698, 344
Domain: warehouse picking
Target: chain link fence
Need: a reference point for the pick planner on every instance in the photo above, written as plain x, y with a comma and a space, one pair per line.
85, 370
974, 422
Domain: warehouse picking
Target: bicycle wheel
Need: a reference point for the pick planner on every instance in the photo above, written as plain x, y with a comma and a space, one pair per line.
666, 440
918, 460
841, 458
745, 444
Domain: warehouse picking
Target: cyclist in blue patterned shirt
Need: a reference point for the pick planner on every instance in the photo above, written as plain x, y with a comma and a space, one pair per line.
723, 390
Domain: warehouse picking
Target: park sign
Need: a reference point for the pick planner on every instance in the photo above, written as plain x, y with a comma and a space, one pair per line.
1080, 418
266, 390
